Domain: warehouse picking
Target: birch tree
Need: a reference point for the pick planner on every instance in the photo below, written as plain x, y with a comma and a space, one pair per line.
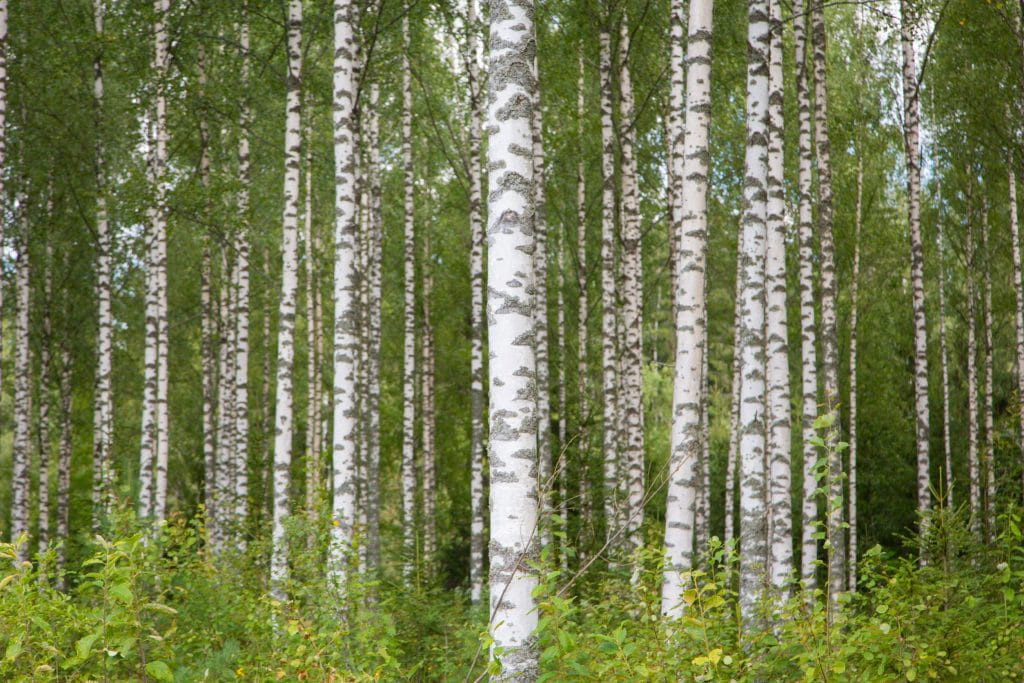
43, 389
372, 501
944, 354
286, 307
511, 321
988, 457
1018, 291
753, 496
21, 452
160, 184
973, 469
689, 159
852, 456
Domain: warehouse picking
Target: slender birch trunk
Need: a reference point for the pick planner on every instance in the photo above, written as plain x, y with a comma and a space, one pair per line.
511, 321
582, 318
808, 324
22, 443
609, 360
690, 159
103, 416
777, 343
409, 351
1018, 291
242, 239
852, 466
632, 313
912, 148
734, 408
540, 311
45, 447
313, 465
562, 469
372, 501
160, 62
988, 457
225, 403
476, 316
64, 465
286, 310
973, 469
346, 311
427, 398
829, 334
209, 362
946, 442
147, 453
753, 498
703, 519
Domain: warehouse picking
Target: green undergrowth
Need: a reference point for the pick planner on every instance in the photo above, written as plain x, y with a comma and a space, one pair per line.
157, 608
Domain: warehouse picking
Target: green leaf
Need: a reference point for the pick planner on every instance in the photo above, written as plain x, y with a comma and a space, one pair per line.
122, 592
13, 648
911, 674
84, 645
160, 671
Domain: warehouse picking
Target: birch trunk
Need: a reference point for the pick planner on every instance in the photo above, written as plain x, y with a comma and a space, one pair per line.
729, 532
777, 342
1018, 291
45, 449
346, 312
753, 498
286, 310
476, 315
540, 311
946, 443
103, 416
147, 453
988, 457
162, 10
511, 321
242, 239
852, 467
808, 324
64, 466
690, 156
22, 443
912, 149
609, 360
582, 318
409, 351
973, 469
427, 397
313, 465
562, 469
373, 353
632, 310
829, 334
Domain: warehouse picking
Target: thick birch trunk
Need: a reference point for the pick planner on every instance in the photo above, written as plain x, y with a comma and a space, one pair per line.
632, 313
753, 498
511, 320
477, 447
912, 149
609, 359
689, 225
409, 349
161, 443
777, 342
346, 310
852, 467
808, 324
286, 310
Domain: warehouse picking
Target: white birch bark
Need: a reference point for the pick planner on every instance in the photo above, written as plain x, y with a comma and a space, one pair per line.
912, 149
346, 309
373, 353
409, 350
161, 444
808, 324
511, 320
43, 429
64, 465
582, 319
852, 464
943, 351
540, 311
427, 398
3, 141
632, 310
1018, 291
286, 310
829, 334
147, 453
690, 161
477, 541
777, 342
242, 239
753, 498
609, 359
313, 465
21, 452
988, 456
973, 469
734, 409
103, 416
